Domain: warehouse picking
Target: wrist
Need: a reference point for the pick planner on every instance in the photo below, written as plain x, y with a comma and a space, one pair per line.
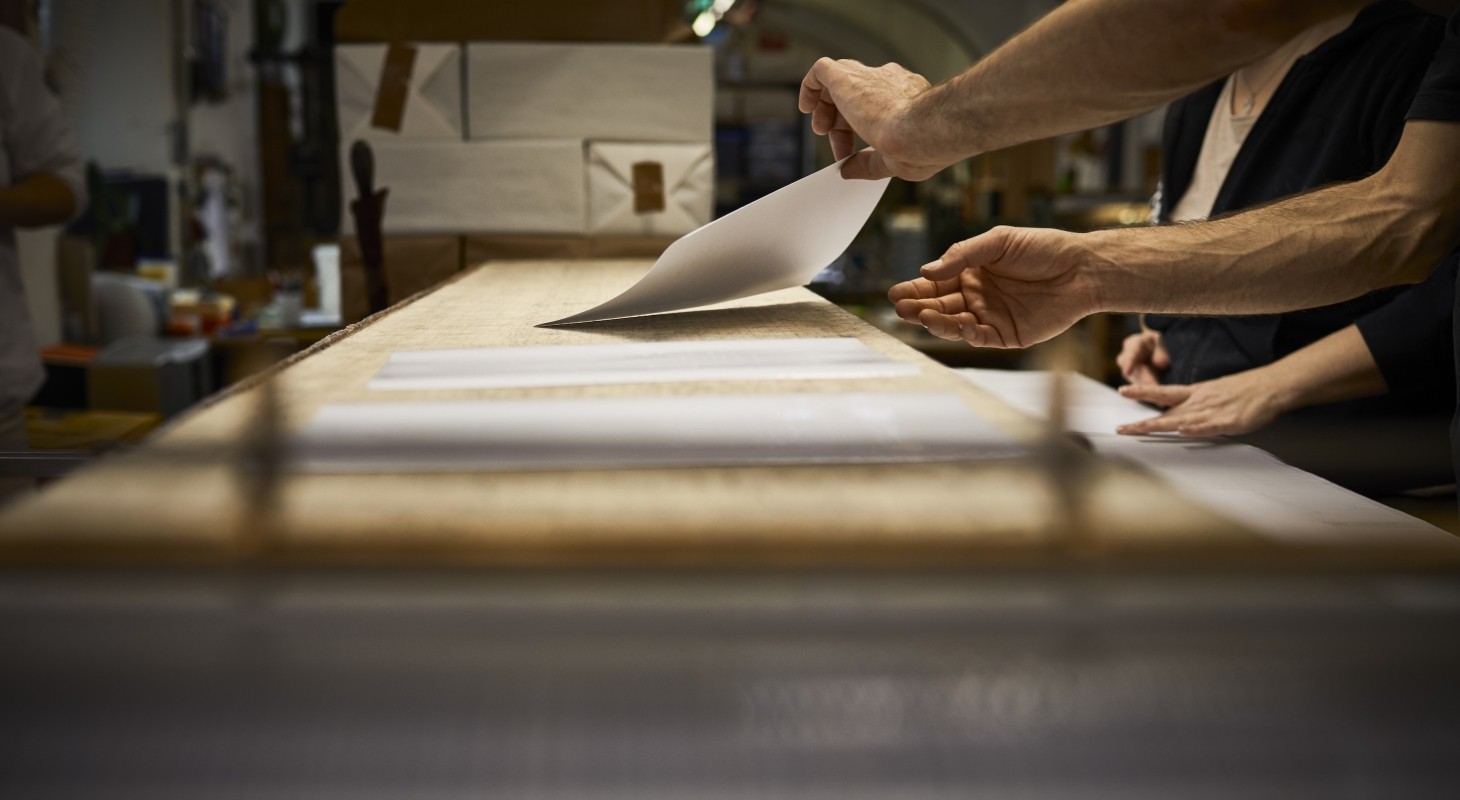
1113, 285
927, 131
1280, 391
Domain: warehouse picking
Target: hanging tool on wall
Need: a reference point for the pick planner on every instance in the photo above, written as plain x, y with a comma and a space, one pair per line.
368, 209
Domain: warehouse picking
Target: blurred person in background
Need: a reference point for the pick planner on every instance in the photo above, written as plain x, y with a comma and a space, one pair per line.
1328, 105
42, 183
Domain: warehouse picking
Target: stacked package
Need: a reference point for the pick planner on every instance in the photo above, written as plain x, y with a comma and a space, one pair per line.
515, 150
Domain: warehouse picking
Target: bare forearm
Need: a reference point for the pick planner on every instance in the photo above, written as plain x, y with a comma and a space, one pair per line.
1324, 247
1093, 62
41, 199
1335, 368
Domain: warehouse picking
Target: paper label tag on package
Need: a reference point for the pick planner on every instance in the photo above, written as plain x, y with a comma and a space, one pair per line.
781, 240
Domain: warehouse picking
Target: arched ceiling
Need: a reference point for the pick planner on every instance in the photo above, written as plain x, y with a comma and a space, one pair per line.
936, 38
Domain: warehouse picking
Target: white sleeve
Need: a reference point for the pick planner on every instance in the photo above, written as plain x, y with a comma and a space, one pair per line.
36, 136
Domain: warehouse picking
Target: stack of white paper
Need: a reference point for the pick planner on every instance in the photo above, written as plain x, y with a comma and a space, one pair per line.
637, 362
711, 430
1236, 480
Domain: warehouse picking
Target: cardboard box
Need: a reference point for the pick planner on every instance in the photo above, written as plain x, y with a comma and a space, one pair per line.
480, 249
635, 93
534, 187
679, 195
412, 264
431, 104
466, 20
142, 373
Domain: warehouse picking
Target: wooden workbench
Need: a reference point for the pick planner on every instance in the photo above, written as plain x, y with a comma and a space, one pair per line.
182, 496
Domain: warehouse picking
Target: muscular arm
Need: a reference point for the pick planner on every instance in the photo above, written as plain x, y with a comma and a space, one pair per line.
41, 199
1088, 63
1015, 287
1319, 248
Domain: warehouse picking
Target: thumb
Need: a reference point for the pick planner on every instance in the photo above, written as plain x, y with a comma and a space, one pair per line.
982, 249
866, 165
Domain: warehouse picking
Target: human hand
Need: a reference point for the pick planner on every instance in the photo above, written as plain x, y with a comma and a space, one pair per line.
1143, 358
1228, 406
848, 98
1010, 287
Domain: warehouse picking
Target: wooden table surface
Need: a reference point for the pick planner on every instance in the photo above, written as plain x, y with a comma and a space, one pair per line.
183, 497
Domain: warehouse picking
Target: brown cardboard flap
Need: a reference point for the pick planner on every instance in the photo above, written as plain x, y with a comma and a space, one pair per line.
394, 87
473, 20
648, 187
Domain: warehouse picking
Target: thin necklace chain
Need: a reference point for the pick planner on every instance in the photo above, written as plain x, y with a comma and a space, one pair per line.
1254, 91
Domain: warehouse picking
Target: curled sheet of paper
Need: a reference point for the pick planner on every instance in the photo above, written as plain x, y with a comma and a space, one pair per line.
779, 241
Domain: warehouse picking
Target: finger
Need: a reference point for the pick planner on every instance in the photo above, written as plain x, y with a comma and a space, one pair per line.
985, 248
1132, 354
980, 335
947, 304
825, 117
1207, 427
1160, 358
813, 86
922, 289
868, 165
1169, 422
911, 308
943, 326
843, 144
1143, 375
1160, 395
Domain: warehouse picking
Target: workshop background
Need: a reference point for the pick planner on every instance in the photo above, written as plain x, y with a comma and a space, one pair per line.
277, 183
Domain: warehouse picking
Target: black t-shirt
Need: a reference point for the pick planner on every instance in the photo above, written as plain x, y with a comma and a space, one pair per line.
1438, 99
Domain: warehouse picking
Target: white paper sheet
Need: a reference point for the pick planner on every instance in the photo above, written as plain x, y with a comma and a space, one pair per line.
1091, 408
599, 433
637, 362
1238, 481
781, 240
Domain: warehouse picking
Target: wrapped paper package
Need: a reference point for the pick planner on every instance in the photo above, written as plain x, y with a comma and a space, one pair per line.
635, 93
422, 98
535, 187
649, 189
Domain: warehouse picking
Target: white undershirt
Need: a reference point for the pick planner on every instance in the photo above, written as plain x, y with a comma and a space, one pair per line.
1226, 130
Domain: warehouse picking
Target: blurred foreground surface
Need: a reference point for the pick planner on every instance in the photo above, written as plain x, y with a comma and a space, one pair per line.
361, 684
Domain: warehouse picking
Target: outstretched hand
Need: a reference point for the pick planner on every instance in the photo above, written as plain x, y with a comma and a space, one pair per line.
847, 99
1010, 288
1228, 406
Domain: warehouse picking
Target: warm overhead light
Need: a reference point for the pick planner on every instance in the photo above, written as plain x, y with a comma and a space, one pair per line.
703, 24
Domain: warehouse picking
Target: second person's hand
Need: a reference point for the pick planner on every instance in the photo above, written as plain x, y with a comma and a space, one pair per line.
1143, 358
